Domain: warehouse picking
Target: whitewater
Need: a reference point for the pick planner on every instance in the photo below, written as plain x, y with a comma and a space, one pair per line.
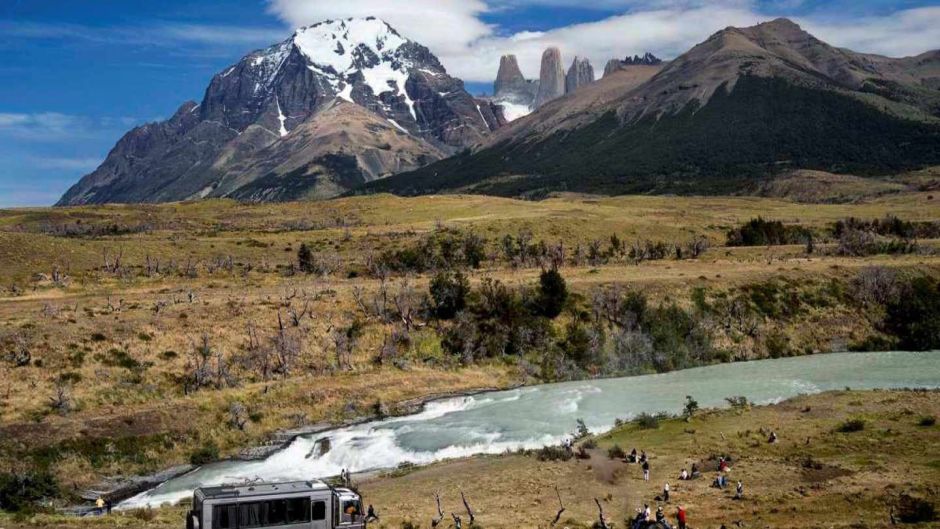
536, 416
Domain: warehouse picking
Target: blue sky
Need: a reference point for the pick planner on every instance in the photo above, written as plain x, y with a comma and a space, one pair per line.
76, 74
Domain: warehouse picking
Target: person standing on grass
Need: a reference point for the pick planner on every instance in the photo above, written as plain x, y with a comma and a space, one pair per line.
99, 505
666, 492
646, 471
739, 491
680, 516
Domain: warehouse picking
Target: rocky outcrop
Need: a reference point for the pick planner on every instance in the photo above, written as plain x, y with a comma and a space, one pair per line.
255, 105
509, 78
551, 77
579, 74
615, 65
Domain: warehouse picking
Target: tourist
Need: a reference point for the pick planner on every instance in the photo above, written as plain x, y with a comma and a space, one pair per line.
99, 505
107, 506
633, 458
772, 438
684, 475
646, 471
666, 492
722, 465
680, 516
646, 512
739, 492
643, 457
370, 514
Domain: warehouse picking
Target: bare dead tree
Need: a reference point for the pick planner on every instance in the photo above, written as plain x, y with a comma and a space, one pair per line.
297, 317
561, 509
406, 307
602, 522
287, 348
440, 511
61, 400
206, 367
466, 506
237, 416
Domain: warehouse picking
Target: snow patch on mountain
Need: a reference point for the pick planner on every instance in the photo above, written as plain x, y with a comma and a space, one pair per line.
338, 50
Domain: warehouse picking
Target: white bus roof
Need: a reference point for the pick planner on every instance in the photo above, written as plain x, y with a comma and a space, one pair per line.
260, 489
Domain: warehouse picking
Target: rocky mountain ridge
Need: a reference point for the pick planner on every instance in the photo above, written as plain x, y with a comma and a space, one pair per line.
745, 104
251, 108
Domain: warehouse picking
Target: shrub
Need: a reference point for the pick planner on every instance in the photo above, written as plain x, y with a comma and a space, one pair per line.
914, 317
206, 454
552, 295
305, 259
553, 453
760, 232
449, 294
647, 421
691, 406
582, 430
851, 425
615, 452
915, 510
928, 420
589, 444
738, 402
24, 492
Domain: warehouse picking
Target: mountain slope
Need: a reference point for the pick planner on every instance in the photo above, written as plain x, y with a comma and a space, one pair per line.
253, 107
742, 105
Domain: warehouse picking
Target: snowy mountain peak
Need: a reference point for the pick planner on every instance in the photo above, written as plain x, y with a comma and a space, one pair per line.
344, 45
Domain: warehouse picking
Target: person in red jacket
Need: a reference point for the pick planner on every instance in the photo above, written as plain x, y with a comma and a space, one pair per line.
680, 515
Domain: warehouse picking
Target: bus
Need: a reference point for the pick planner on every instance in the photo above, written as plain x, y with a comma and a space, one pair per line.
293, 505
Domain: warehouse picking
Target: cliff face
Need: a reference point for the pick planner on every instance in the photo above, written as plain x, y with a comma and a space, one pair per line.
579, 74
551, 77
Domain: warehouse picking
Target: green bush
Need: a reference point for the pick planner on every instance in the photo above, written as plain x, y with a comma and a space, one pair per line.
760, 232
851, 425
24, 492
206, 454
553, 453
449, 292
615, 452
914, 317
552, 294
647, 421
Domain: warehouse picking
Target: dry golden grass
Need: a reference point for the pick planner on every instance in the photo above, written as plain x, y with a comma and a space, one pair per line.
861, 472
75, 327
814, 476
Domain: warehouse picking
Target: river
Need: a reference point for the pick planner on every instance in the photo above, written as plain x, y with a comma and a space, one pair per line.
535, 416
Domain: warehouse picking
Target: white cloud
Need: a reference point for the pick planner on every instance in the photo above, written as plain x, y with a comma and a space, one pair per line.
470, 49
902, 33
66, 164
55, 126
448, 27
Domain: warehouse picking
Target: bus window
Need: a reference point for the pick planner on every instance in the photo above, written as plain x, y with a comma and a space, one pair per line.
297, 510
319, 511
351, 507
223, 516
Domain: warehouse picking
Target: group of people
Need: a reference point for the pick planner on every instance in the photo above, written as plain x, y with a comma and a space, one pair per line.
685, 475
643, 460
644, 517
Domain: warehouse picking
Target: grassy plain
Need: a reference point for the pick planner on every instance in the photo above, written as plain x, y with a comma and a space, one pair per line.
122, 340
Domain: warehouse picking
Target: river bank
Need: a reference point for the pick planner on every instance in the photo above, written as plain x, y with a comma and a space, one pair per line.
815, 475
536, 416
